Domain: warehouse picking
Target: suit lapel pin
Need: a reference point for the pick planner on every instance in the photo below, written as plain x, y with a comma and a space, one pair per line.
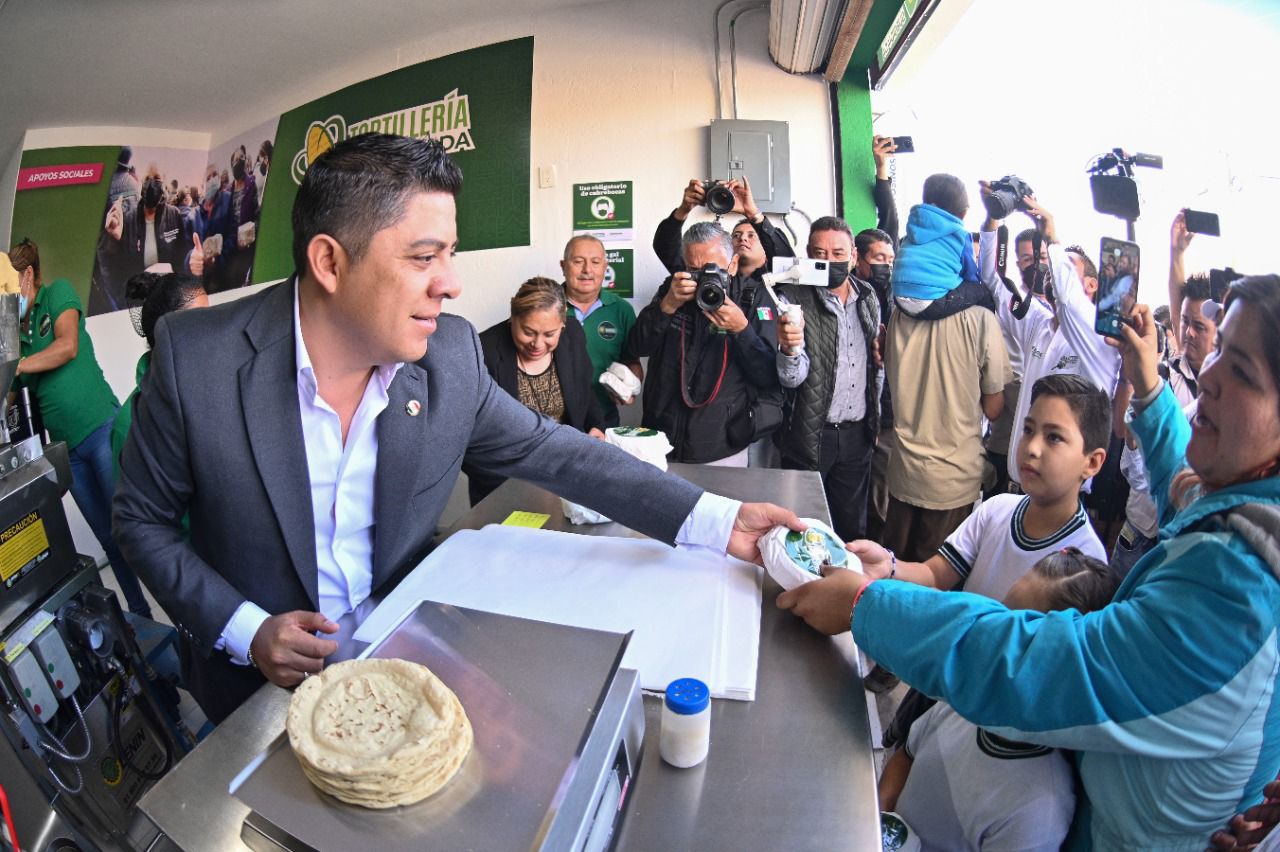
413, 408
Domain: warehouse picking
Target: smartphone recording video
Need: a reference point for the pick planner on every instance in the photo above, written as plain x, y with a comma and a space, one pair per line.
903, 145
1202, 223
1117, 285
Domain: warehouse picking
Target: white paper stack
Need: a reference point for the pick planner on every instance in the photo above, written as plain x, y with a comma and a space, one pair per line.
695, 613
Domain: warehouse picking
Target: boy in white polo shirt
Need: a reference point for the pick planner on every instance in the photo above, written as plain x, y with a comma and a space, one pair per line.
960, 787
1062, 445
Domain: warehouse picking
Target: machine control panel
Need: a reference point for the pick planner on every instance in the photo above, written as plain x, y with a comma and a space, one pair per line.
51, 653
33, 686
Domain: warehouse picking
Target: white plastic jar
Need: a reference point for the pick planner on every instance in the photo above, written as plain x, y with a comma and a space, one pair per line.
686, 723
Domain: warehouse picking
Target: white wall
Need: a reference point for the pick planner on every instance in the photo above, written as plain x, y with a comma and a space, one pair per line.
621, 91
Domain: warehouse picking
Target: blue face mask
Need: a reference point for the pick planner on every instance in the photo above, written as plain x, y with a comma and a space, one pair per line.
22, 305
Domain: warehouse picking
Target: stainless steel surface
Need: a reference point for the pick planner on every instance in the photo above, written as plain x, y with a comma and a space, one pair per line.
791, 770
611, 758
191, 804
10, 338
530, 713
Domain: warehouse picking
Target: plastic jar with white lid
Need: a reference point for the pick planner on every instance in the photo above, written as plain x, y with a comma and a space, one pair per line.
686, 723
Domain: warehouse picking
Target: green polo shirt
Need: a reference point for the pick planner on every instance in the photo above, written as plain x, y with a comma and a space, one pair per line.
124, 417
606, 328
74, 399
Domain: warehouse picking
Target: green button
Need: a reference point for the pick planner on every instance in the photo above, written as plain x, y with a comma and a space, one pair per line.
51, 667
27, 692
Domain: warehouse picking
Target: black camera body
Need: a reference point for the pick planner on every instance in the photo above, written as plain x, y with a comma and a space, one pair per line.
718, 197
713, 287
1007, 195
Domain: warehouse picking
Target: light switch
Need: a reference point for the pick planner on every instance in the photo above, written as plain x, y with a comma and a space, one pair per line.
546, 177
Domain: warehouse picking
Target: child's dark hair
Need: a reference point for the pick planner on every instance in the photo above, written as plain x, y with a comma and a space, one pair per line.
948, 192
1090, 406
1077, 581
157, 295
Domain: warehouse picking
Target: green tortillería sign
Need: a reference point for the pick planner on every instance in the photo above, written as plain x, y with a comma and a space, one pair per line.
477, 103
605, 205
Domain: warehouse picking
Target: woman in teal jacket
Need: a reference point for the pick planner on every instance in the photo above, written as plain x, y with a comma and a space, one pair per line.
1168, 694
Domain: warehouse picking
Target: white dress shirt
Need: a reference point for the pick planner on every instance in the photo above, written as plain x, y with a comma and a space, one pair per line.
342, 485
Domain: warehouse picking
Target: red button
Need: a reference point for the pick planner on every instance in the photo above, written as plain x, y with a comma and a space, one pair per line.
58, 684
37, 709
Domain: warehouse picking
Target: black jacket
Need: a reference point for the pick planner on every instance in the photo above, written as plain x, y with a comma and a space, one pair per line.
667, 245
124, 258
684, 348
801, 436
573, 368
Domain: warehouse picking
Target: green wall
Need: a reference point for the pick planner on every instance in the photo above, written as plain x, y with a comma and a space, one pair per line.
853, 132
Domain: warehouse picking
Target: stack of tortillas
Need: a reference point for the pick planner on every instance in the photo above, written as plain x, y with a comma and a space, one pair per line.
378, 733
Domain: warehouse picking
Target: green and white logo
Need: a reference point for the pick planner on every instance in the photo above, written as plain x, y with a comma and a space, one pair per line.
448, 120
606, 330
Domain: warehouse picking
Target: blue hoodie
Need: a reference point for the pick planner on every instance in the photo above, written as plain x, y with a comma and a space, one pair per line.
935, 257
1170, 695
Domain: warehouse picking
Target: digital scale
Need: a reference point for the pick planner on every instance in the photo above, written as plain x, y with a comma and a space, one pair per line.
558, 733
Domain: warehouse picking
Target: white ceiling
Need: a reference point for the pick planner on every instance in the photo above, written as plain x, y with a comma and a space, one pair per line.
197, 64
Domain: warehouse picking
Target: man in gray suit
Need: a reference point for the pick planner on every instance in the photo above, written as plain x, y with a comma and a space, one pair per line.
313, 438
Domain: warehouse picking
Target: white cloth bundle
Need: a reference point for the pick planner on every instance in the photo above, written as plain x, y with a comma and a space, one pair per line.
648, 445
794, 558
619, 379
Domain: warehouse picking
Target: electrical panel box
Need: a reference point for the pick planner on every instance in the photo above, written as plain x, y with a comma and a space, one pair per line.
52, 655
33, 686
760, 150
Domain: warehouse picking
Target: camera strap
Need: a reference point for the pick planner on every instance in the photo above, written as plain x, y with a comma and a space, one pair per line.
1019, 304
684, 381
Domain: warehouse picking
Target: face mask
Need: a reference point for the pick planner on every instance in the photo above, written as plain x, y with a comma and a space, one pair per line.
837, 273
22, 305
262, 167
151, 194
237, 169
881, 274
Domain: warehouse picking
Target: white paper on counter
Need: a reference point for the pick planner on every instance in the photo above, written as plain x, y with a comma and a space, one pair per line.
695, 612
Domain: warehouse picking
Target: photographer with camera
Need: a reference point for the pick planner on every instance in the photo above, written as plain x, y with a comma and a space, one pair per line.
712, 384
1056, 334
830, 356
756, 241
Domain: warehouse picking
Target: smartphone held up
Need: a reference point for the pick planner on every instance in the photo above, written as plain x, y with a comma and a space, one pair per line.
1117, 285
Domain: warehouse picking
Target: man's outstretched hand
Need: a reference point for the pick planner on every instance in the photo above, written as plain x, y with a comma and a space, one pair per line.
753, 521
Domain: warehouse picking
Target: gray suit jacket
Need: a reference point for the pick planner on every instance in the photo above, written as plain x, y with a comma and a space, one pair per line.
217, 434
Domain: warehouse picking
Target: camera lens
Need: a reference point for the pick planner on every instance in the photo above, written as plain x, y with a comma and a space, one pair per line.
1000, 203
710, 296
719, 199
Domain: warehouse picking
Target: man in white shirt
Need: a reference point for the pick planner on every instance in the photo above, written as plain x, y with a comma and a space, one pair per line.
314, 437
1056, 335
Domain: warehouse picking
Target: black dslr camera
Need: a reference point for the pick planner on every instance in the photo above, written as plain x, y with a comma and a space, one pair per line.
713, 283
1007, 195
718, 197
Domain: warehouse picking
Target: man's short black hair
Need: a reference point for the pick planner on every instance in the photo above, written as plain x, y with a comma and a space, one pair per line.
830, 223
359, 186
948, 192
1091, 407
869, 237
1090, 269
1024, 237
1200, 288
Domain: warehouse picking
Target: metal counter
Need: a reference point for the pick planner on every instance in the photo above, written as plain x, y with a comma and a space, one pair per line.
791, 770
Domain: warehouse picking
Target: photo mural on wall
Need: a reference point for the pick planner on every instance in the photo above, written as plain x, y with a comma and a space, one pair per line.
102, 214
